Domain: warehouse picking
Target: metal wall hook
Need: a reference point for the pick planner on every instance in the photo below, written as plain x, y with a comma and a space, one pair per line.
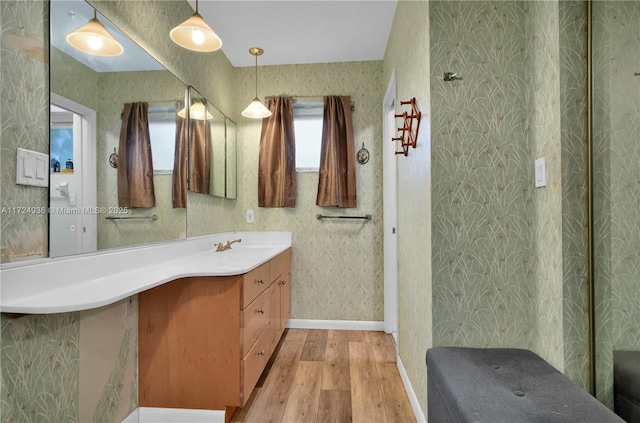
451, 76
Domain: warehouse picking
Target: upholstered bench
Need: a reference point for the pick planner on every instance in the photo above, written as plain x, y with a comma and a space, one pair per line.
626, 385
495, 385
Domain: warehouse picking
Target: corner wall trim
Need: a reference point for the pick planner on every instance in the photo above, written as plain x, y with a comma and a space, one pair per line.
335, 324
413, 399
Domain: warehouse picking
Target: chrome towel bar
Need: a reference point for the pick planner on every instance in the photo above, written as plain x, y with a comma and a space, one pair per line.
346, 216
152, 217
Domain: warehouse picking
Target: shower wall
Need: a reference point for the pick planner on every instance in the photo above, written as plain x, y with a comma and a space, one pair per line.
617, 184
505, 269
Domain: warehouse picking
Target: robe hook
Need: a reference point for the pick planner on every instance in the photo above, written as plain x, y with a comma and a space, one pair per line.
451, 76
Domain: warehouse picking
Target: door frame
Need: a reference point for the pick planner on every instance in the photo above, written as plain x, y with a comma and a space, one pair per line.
390, 208
87, 168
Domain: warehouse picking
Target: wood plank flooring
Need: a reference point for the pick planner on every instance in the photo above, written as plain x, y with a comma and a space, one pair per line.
330, 376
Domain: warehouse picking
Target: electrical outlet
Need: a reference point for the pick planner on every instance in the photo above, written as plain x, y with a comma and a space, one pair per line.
250, 216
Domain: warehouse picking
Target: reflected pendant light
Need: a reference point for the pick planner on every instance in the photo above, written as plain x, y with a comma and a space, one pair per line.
194, 34
93, 38
197, 111
256, 110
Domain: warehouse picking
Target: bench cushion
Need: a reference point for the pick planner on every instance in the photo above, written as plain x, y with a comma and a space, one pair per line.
504, 385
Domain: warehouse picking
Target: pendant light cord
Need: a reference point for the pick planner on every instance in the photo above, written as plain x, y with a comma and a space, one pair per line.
256, 76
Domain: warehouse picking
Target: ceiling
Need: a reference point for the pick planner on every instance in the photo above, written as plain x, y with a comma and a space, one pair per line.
300, 31
290, 32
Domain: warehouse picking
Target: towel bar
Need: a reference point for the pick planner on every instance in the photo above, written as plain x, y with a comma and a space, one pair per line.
346, 216
152, 217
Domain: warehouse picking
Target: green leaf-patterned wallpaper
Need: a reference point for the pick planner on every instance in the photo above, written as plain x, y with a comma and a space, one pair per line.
617, 185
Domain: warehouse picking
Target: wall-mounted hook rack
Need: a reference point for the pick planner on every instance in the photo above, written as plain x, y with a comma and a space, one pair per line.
408, 132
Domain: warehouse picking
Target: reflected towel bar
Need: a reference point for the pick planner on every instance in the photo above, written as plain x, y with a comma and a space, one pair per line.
152, 217
365, 217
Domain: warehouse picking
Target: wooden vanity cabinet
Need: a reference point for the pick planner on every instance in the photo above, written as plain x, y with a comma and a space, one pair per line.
203, 342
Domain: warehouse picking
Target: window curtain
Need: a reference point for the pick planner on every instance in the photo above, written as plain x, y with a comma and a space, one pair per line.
277, 158
199, 163
179, 178
135, 165
337, 176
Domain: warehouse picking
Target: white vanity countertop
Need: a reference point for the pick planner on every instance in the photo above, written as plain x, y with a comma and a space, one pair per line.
90, 281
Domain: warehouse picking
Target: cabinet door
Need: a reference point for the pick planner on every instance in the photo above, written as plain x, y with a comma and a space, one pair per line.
275, 318
284, 285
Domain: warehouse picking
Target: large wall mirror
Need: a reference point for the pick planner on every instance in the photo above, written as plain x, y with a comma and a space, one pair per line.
616, 192
88, 98
211, 149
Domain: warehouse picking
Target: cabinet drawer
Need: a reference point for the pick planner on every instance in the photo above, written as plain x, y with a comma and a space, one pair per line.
253, 320
253, 365
254, 283
280, 264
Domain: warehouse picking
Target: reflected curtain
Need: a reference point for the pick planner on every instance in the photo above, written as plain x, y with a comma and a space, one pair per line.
277, 158
337, 176
199, 163
179, 178
135, 165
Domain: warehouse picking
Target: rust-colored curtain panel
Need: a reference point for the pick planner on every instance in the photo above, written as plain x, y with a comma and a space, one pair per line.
179, 178
200, 156
337, 176
277, 159
135, 165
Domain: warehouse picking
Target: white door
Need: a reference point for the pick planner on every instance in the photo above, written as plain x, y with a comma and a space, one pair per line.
390, 198
72, 188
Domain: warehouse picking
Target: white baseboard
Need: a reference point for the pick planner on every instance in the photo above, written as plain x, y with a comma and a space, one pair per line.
413, 399
335, 324
174, 415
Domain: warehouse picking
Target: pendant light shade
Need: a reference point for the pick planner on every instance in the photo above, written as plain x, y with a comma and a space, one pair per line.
93, 38
194, 34
197, 111
256, 109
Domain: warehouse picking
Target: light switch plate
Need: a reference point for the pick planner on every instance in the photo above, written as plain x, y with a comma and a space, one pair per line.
250, 216
541, 172
32, 168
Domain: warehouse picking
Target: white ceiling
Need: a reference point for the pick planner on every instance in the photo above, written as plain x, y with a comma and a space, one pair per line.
290, 32
300, 31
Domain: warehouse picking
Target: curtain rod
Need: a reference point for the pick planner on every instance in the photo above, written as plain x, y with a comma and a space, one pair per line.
320, 98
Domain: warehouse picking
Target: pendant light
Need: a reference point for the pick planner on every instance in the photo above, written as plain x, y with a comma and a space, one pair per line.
194, 34
256, 110
197, 111
93, 38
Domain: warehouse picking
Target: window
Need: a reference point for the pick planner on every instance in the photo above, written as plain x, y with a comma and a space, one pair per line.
162, 131
307, 122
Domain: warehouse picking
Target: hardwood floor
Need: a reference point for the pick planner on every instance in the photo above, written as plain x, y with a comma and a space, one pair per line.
333, 376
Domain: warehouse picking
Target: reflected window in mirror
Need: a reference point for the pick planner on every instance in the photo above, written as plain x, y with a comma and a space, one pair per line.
162, 128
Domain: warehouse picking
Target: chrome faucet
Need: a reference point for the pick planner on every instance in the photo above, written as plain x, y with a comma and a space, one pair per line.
222, 247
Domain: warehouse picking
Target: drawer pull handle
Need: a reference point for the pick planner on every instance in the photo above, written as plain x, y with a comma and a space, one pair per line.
283, 282
260, 281
261, 311
261, 353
